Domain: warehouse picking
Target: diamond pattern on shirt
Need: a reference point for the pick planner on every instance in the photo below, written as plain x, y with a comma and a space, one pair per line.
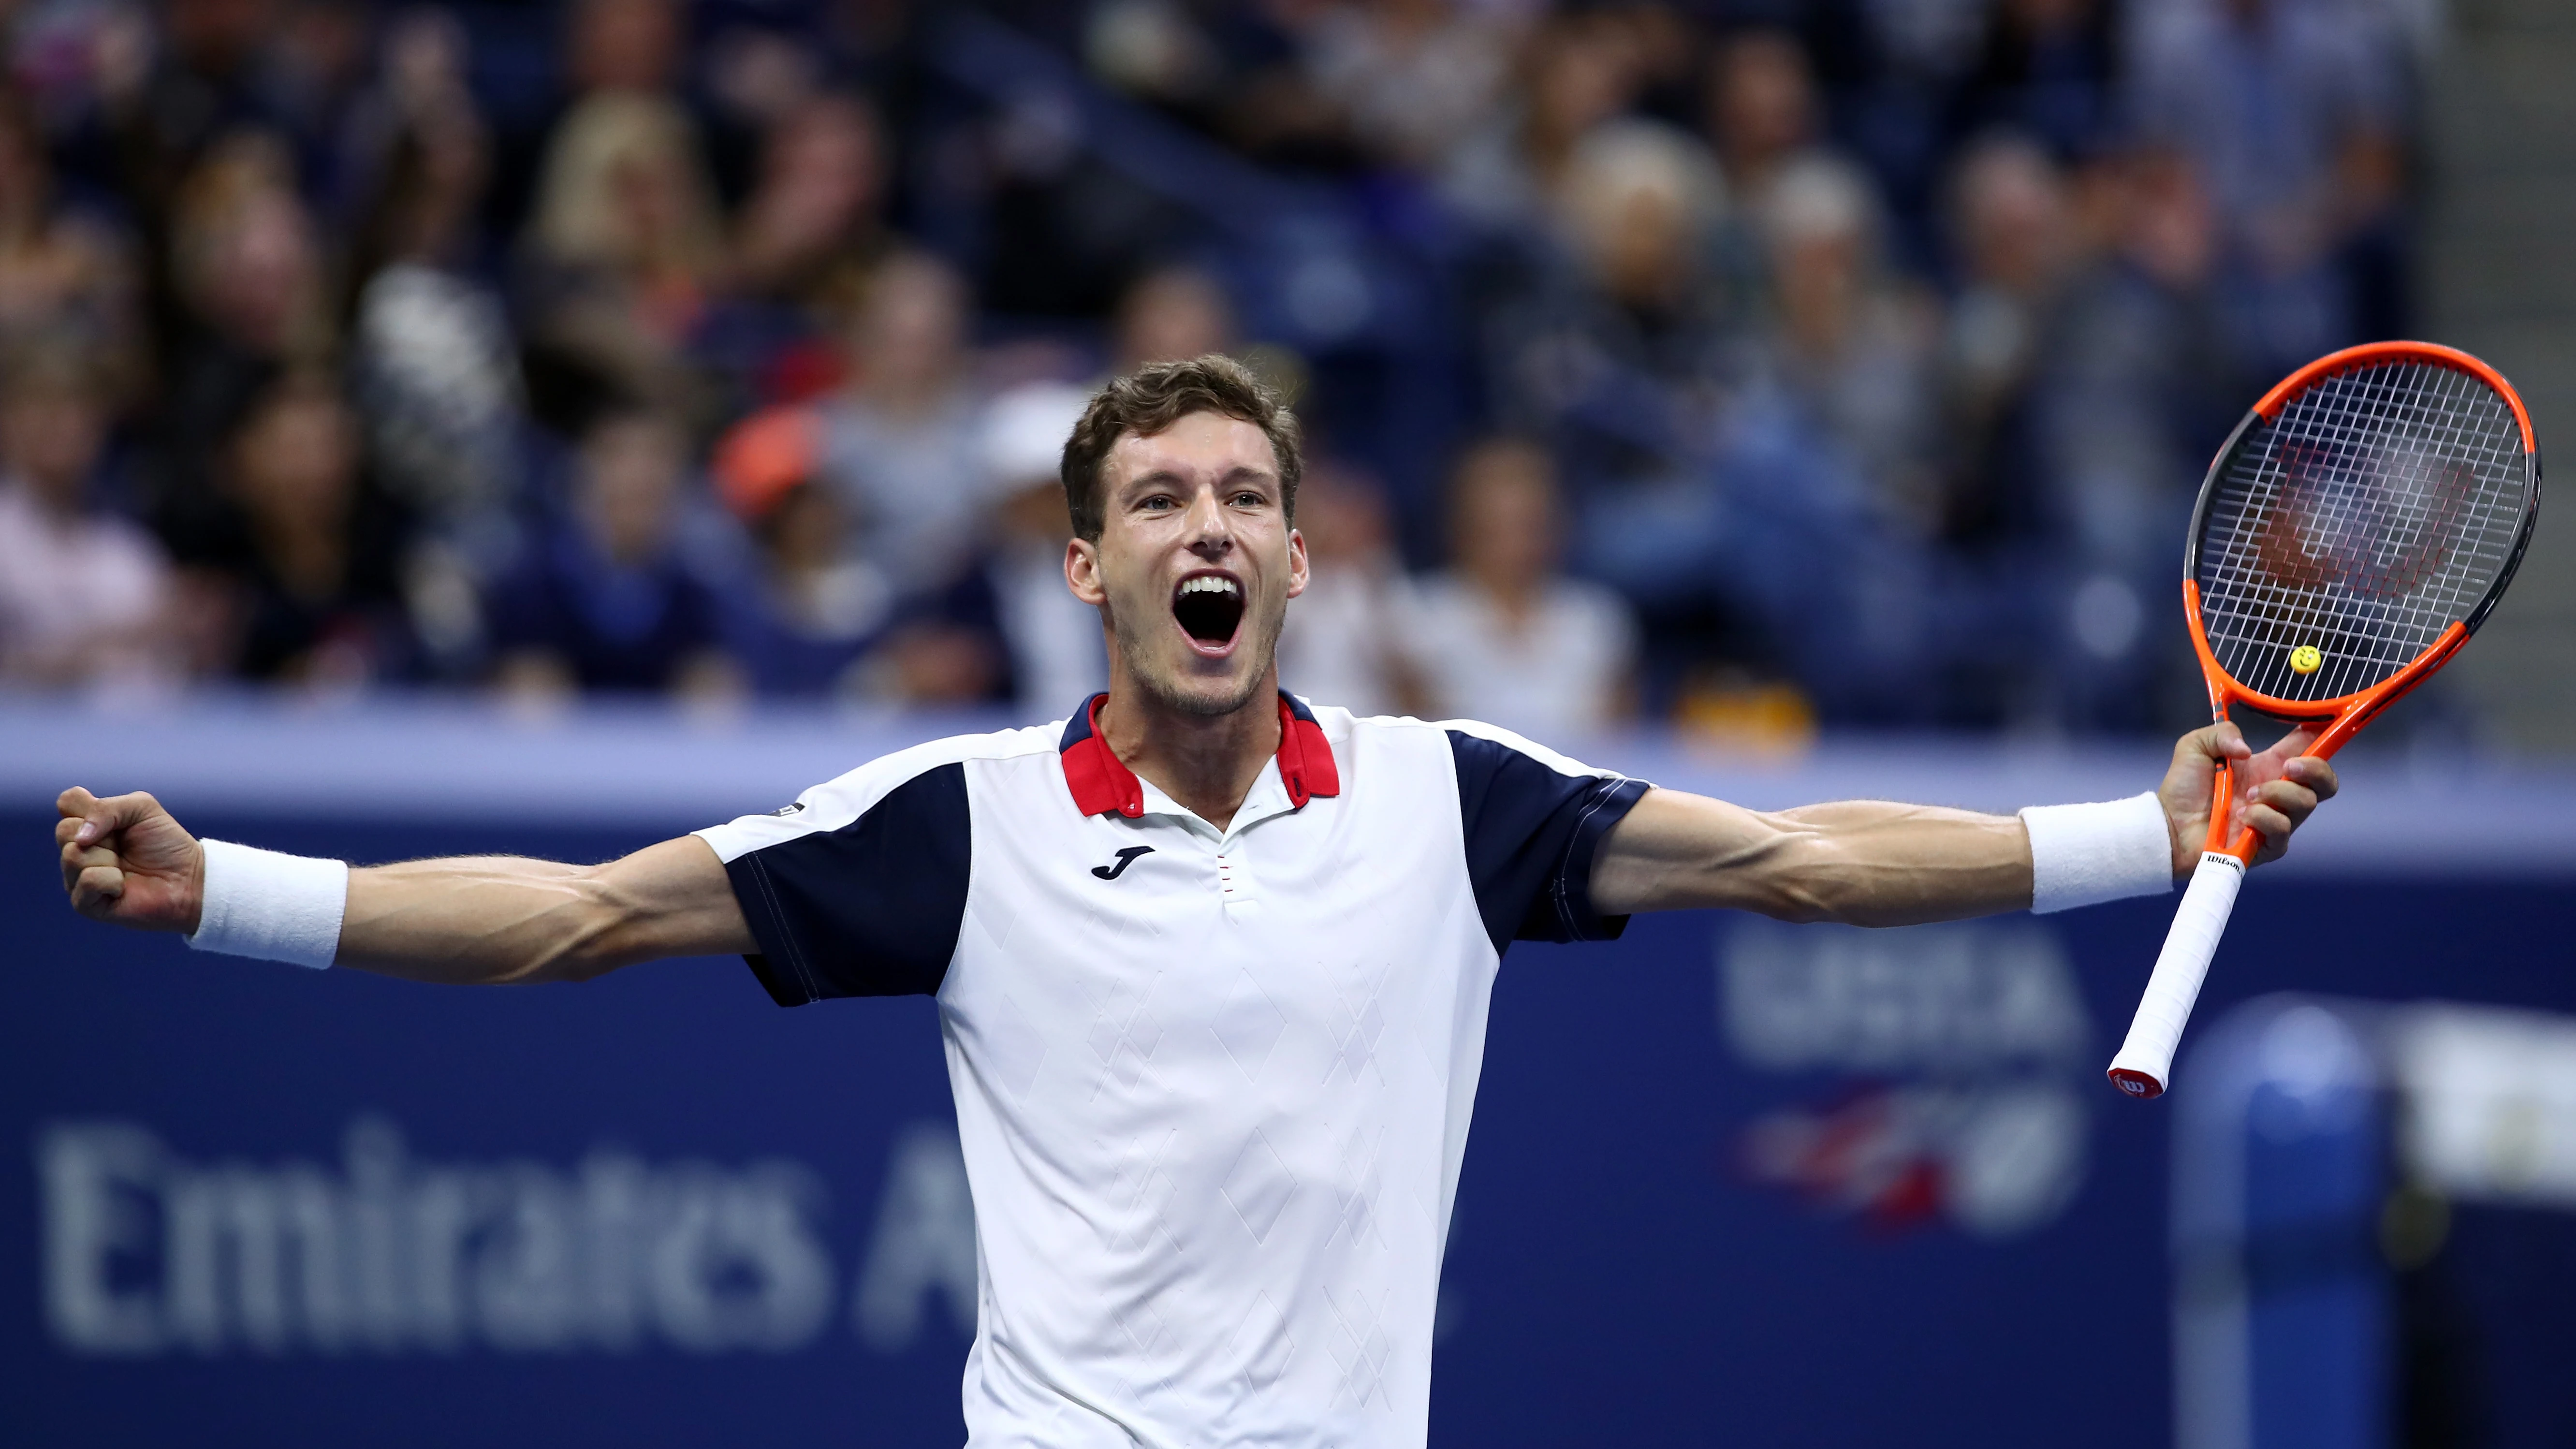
996, 918
1258, 1186
1359, 1345
1355, 1188
1123, 1033
1262, 1343
1357, 1022
1142, 1190
1151, 1336
1249, 1026
1017, 1048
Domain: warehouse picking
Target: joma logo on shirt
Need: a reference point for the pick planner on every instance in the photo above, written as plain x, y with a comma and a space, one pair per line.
1126, 858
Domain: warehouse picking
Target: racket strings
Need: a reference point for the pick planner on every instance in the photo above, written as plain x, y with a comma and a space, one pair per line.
2377, 509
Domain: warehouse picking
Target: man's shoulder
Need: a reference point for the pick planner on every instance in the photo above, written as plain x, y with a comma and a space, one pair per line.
920, 771
1343, 726
885, 772
1492, 743
1458, 737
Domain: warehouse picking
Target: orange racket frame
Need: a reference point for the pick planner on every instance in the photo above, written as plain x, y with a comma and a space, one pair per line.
2344, 715
2146, 1058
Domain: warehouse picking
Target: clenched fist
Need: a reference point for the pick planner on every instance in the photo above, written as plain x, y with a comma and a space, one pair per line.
127, 862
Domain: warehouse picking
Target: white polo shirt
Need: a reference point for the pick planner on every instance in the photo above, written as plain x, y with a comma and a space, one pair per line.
1212, 1085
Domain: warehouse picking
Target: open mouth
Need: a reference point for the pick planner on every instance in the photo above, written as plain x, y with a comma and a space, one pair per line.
1208, 607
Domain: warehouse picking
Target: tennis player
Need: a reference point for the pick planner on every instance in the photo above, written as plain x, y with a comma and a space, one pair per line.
1212, 962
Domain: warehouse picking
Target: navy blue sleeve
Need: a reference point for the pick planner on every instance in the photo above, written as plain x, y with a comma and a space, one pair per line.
1531, 834
870, 909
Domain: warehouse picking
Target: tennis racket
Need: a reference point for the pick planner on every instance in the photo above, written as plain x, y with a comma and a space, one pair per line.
2357, 528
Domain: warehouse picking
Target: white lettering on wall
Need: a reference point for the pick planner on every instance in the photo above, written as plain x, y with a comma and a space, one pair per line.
145, 1252
1968, 1038
1969, 995
86, 1178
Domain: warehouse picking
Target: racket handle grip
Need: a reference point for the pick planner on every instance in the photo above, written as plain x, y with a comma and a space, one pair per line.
2145, 1062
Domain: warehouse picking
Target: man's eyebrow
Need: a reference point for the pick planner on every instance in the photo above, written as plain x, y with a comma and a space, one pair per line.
1165, 477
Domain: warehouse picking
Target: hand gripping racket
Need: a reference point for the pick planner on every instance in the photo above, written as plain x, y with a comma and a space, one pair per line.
2357, 528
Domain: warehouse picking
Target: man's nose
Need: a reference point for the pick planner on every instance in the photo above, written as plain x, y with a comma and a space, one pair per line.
1211, 532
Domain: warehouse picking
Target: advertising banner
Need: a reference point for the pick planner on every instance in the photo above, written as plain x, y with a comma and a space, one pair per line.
1729, 1181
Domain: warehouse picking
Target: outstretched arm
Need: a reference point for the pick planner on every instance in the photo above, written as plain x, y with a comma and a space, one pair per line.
484, 919
1872, 863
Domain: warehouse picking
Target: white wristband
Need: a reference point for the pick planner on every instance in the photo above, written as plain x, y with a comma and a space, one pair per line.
2083, 855
275, 907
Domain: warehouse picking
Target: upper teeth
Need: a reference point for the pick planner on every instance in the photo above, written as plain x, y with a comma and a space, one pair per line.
1208, 584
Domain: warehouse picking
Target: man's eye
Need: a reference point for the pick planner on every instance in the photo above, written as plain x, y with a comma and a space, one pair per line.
1157, 501
1249, 500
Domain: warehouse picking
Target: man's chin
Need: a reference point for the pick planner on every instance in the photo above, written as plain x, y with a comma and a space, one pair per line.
1184, 691
1208, 698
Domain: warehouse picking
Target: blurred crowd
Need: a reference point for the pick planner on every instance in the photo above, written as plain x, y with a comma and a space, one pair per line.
1752, 364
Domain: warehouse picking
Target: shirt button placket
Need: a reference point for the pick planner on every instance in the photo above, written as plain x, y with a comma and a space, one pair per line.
1233, 877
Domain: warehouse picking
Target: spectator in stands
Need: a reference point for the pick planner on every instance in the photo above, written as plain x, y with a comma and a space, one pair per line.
814, 607
430, 183
605, 599
2138, 389
808, 236
1894, 70
315, 78
2049, 70
1577, 71
2293, 116
431, 346
749, 79
433, 360
630, 46
1641, 203
1762, 109
2016, 242
167, 97
1624, 343
318, 586
1412, 78
247, 268
1171, 314
1058, 657
900, 442
65, 278
627, 251
84, 595
1517, 643
815, 221
1851, 344
1342, 643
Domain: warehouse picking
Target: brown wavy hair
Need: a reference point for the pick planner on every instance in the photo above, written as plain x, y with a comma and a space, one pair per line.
1154, 397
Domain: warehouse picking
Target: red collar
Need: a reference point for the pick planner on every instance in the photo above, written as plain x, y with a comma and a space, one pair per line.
1101, 785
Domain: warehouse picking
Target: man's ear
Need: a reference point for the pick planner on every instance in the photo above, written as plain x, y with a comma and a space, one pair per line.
1082, 572
1297, 567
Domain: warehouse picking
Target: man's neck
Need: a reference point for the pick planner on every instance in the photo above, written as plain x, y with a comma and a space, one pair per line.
1208, 763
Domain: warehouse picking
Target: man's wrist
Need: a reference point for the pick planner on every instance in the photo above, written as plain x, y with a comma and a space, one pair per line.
2082, 855
274, 907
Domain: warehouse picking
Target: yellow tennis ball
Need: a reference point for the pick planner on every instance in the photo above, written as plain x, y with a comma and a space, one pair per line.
2305, 659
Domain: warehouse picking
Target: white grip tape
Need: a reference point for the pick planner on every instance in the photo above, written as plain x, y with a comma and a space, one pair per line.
2147, 1056
271, 906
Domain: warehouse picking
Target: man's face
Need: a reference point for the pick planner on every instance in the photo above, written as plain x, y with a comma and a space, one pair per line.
1195, 565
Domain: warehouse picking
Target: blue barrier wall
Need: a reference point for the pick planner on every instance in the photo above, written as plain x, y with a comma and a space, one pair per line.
1729, 1183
